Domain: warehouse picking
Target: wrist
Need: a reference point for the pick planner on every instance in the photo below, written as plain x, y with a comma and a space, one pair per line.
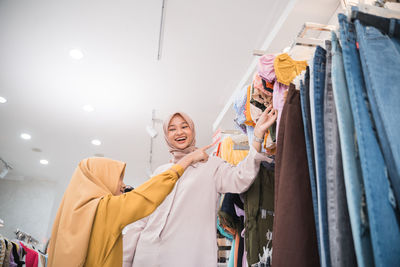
257, 139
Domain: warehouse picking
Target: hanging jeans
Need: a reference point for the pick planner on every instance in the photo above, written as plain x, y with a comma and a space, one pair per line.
306, 112
340, 238
354, 184
380, 59
319, 152
385, 234
294, 237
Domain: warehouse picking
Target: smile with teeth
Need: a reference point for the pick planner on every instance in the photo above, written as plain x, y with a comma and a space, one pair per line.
180, 140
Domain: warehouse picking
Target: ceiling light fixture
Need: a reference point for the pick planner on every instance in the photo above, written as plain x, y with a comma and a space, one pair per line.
88, 108
44, 161
26, 136
96, 142
2, 100
76, 54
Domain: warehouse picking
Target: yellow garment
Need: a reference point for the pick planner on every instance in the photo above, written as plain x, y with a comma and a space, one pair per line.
230, 155
286, 68
92, 183
247, 112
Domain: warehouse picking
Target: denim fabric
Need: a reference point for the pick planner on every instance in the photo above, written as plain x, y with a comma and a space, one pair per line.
385, 234
340, 238
305, 108
354, 184
380, 59
319, 152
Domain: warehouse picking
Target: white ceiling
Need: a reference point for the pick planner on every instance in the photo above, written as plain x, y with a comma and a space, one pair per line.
207, 47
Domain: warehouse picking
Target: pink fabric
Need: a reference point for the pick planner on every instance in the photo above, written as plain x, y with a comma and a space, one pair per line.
266, 70
31, 259
182, 230
177, 154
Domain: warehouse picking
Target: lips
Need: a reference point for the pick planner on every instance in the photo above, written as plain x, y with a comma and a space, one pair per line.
180, 140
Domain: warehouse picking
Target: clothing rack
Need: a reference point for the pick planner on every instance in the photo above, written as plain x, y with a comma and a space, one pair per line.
301, 40
380, 9
25, 237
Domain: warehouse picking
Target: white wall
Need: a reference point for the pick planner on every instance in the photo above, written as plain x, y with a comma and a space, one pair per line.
27, 205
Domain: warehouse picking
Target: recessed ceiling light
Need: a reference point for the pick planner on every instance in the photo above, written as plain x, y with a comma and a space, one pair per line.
76, 54
44, 162
88, 108
96, 142
2, 100
25, 136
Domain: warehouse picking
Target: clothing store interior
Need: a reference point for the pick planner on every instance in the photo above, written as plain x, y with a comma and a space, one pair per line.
200, 133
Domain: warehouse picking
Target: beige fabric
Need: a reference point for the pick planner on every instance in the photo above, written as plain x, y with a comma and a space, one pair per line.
176, 153
93, 179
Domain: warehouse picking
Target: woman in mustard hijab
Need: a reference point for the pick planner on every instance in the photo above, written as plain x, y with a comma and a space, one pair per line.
93, 211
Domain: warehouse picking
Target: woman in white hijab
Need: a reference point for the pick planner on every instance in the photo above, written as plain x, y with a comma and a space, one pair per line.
182, 230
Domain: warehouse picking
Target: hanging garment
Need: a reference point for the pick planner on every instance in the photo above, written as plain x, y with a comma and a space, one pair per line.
188, 215
294, 238
354, 184
239, 105
31, 259
267, 71
340, 236
380, 58
259, 210
286, 69
319, 69
383, 225
8, 253
2, 250
229, 154
308, 133
17, 255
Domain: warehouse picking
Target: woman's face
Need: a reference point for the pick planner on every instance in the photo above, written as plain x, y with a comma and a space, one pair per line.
179, 133
121, 186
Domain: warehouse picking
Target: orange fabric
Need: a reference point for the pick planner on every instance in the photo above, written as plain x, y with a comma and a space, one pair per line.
230, 155
236, 256
247, 112
286, 68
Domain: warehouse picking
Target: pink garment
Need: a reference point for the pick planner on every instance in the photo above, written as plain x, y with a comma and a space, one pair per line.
182, 230
267, 71
31, 259
177, 154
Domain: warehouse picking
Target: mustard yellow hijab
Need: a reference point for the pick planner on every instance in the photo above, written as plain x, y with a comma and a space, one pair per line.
93, 179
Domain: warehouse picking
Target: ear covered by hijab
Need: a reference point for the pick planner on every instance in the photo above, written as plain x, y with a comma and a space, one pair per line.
93, 179
177, 153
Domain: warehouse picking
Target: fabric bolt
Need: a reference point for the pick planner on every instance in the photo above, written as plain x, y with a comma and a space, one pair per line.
286, 69
354, 184
259, 210
31, 259
319, 153
340, 236
306, 112
188, 215
380, 58
229, 154
384, 229
294, 220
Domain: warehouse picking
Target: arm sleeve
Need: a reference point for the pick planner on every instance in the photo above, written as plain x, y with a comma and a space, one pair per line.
119, 211
237, 179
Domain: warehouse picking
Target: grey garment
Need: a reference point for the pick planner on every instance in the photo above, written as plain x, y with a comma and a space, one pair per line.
340, 236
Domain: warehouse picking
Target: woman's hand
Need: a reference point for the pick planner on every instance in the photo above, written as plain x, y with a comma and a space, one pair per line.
267, 118
199, 155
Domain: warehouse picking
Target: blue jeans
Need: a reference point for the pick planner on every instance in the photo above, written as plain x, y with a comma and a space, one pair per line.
305, 109
340, 237
380, 59
385, 233
319, 152
354, 184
